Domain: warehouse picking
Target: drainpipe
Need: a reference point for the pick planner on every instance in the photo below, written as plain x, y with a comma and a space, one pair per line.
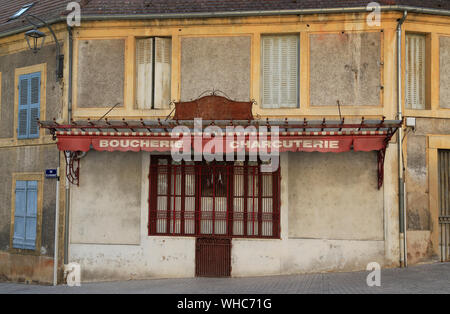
55, 257
401, 178
69, 118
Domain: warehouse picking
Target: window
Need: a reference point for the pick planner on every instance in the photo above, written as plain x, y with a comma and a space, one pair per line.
29, 105
21, 11
219, 199
25, 215
416, 68
153, 70
279, 70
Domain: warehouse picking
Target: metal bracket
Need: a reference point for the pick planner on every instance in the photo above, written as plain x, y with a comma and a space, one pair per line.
381, 156
72, 167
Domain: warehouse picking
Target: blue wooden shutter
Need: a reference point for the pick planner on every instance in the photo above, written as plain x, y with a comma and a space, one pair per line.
24, 101
31, 216
25, 217
29, 105
35, 105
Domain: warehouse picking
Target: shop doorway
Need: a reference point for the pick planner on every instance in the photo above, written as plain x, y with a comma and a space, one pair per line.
213, 257
213, 202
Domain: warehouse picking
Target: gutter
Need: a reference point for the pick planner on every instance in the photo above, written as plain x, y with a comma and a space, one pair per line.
401, 178
102, 17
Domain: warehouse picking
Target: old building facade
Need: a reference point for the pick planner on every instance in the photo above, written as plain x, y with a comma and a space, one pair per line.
129, 211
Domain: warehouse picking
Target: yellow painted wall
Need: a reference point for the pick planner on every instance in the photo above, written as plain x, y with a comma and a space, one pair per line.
255, 27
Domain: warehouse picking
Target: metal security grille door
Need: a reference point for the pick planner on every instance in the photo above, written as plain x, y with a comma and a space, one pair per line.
216, 199
213, 257
444, 204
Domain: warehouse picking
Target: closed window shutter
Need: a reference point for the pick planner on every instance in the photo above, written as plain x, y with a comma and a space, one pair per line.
144, 73
31, 216
279, 71
24, 106
35, 102
25, 216
162, 72
415, 71
20, 215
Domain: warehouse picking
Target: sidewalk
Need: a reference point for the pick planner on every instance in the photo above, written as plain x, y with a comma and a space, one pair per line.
433, 278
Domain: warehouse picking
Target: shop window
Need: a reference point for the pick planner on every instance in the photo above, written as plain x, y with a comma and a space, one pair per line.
416, 71
25, 215
280, 71
29, 105
213, 199
153, 71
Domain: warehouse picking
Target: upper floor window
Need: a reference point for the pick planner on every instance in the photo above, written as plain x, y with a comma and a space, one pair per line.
279, 71
29, 105
153, 71
416, 69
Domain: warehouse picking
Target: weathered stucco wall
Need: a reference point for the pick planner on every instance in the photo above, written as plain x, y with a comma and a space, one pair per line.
8, 64
419, 222
106, 207
28, 159
165, 257
221, 63
150, 257
444, 42
336, 196
345, 67
100, 73
21, 267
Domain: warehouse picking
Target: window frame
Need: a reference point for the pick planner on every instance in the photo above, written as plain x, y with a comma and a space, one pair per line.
246, 197
32, 176
261, 65
427, 75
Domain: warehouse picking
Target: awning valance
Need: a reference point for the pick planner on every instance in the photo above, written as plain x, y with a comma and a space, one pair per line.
336, 142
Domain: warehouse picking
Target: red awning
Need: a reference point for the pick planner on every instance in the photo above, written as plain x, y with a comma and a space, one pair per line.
246, 135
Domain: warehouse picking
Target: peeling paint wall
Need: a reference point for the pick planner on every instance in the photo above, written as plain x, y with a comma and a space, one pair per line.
28, 159
444, 53
335, 196
418, 213
419, 224
20, 267
221, 63
345, 67
100, 73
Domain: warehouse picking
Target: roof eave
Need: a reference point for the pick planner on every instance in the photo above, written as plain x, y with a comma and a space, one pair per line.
100, 17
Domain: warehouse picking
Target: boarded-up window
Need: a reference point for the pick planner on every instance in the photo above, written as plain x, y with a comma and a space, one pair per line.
153, 71
415, 71
279, 70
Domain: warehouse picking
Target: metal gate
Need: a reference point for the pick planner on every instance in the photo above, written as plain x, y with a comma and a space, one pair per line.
213, 257
444, 204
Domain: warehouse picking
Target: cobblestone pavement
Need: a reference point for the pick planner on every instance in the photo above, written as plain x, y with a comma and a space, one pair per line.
432, 278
